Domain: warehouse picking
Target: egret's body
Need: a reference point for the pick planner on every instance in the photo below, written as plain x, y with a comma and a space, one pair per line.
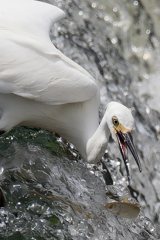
39, 86
67, 120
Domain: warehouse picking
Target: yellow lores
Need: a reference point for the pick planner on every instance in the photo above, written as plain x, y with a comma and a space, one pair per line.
123, 209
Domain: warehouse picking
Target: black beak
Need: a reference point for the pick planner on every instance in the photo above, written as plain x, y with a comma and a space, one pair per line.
125, 140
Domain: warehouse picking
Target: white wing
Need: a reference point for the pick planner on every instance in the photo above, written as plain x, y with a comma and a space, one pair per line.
30, 66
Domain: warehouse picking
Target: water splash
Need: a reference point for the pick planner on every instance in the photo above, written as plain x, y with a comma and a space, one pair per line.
51, 192
61, 197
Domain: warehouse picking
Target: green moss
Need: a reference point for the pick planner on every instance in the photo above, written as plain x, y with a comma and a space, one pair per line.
15, 236
25, 135
53, 219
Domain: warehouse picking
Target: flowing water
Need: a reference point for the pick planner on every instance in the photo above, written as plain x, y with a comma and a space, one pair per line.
51, 192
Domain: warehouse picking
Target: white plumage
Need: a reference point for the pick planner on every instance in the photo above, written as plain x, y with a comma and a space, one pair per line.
39, 86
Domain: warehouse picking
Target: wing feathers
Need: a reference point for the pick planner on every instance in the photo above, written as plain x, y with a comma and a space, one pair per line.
30, 66
29, 18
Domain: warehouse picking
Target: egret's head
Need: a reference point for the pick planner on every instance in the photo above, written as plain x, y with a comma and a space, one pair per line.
119, 118
120, 122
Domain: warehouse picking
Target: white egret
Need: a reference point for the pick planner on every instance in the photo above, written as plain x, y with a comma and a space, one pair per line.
41, 87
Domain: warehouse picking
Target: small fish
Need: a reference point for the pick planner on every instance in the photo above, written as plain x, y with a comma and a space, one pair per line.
123, 209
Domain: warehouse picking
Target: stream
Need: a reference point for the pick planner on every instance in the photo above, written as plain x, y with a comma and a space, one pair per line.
51, 192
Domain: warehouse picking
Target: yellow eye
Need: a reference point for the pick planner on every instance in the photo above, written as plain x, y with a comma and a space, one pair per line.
115, 121
110, 206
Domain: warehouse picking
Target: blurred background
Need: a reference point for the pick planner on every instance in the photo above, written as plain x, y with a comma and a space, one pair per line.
51, 192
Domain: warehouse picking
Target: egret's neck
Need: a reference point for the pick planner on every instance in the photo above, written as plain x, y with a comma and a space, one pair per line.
97, 144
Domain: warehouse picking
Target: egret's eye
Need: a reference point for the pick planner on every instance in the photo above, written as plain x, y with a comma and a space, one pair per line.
110, 206
115, 121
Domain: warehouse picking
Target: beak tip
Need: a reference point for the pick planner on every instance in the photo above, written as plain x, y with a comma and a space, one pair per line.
139, 166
